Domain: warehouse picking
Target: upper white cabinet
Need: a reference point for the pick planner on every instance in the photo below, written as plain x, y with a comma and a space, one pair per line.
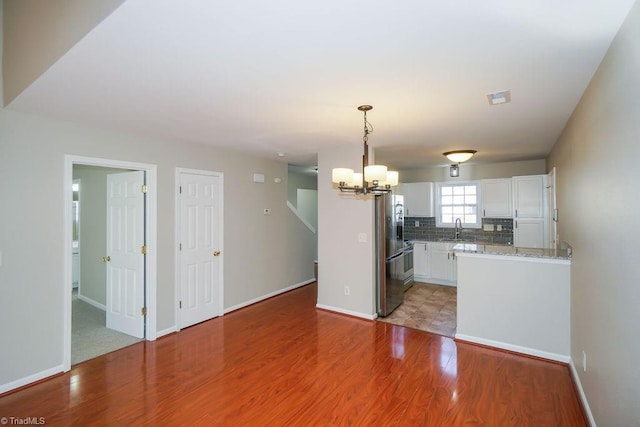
530, 219
418, 199
497, 198
528, 196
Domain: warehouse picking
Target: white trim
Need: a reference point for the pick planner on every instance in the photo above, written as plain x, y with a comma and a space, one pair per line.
304, 221
167, 331
30, 379
349, 312
515, 348
176, 258
151, 260
94, 303
522, 258
583, 396
267, 296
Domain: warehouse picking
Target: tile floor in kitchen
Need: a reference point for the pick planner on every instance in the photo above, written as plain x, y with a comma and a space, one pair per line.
431, 308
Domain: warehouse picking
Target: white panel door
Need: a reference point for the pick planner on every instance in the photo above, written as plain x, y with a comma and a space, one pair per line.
125, 266
200, 248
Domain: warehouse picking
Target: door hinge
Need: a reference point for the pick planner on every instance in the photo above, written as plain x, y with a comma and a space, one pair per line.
180, 246
143, 250
180, 304
145, 188
181, 189
143, 311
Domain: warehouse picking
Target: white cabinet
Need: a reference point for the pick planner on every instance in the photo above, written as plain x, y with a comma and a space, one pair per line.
443, 263
497, 198
528, 196
421, 267
435, 262
530, 222
418, 199
529, 233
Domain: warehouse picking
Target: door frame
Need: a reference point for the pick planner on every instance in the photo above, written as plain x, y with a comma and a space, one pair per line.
177, 288
151, 260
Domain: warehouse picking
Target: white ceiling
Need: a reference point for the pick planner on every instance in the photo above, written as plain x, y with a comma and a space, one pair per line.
288, 75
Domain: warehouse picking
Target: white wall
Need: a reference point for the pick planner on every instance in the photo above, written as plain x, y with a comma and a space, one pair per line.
516, 303
342, 260
298, 180
597, 192
263, 254
469, 171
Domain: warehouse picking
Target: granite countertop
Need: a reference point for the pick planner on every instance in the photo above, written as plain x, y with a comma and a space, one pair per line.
488, 249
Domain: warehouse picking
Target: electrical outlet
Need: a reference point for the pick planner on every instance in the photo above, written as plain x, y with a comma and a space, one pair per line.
487, 227
499, 227
362, 237
347, 290
584, 361
417, 223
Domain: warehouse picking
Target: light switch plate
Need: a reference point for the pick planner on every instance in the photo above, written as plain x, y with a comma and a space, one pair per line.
487, 227
362, 237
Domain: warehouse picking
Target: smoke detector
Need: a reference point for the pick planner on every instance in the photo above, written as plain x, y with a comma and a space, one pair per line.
497, 98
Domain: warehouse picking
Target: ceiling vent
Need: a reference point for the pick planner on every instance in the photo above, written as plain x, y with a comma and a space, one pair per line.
497, 98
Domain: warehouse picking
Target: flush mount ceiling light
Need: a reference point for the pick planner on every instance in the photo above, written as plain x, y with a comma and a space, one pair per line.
377, 176
459, 156
497, 98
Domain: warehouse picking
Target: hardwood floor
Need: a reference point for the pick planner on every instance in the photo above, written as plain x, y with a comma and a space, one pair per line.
282, 362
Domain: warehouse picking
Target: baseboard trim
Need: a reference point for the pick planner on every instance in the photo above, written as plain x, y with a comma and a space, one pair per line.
514, 348
167, 331
89, 301
583, 396
4, 388
267, 296
347, 312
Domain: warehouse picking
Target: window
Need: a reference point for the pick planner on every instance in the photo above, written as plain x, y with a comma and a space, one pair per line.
458, 200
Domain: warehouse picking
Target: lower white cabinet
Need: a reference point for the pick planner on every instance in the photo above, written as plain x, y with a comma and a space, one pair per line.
421, 270
443, 263
434, 262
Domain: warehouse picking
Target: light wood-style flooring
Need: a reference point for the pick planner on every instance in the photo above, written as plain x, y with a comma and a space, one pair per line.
282, 362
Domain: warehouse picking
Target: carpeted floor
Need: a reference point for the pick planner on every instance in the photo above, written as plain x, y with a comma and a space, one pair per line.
89, 335
427, 307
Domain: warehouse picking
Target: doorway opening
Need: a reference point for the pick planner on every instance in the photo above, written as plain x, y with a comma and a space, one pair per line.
107, 286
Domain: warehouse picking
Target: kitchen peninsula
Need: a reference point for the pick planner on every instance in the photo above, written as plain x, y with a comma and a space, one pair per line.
517, 299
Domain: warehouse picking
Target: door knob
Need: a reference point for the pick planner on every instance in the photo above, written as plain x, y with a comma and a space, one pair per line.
106, 258
216, 253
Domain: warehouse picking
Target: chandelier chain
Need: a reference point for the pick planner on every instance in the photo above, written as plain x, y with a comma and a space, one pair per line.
368, 128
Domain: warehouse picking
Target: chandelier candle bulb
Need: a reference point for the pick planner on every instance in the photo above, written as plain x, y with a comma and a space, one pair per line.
339, 175
356, 181
375, 173
392, 179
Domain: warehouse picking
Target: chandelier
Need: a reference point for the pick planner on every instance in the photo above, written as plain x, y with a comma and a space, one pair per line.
375, 179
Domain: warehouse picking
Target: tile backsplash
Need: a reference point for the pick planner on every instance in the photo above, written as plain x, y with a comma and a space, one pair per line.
427, 230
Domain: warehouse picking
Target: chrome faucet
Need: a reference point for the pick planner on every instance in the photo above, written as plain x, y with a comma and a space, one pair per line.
458, 228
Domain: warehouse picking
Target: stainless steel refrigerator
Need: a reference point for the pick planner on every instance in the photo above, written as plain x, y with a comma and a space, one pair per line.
394, 257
